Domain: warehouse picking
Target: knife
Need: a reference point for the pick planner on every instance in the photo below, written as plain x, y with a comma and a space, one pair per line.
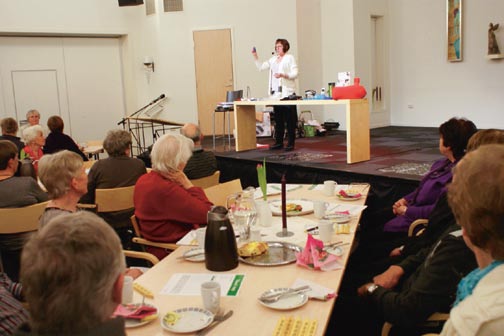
217, 320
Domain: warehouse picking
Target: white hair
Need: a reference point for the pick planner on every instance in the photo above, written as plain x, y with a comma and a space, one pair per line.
170, 151
31, 133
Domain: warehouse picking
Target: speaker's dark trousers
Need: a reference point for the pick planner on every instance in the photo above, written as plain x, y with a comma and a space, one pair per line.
285, 114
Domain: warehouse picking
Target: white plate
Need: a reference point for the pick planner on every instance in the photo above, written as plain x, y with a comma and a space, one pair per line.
195, 255
191, 319
336, 250
288, 302
276, 207
339, 218
343, 198
133, 323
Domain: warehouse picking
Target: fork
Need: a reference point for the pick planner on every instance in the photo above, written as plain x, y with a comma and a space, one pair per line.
217, 319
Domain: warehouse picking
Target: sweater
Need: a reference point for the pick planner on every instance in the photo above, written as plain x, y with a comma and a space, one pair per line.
166, 212
423, 199
57, 141
481, 313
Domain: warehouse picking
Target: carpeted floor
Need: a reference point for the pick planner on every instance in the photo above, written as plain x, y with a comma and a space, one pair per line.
397, 152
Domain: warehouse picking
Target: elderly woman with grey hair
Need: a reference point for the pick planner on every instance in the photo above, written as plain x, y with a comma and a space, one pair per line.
34, 140
167, 205
64, 176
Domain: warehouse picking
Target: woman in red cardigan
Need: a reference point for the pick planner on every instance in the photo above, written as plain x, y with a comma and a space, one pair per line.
167, 205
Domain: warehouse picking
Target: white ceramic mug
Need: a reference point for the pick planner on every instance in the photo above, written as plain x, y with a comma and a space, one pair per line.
210, 293
329, 187
127, 292
319, 208
326, 230
200, 237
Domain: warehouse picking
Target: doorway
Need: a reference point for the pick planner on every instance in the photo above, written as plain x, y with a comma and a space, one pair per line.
214, 75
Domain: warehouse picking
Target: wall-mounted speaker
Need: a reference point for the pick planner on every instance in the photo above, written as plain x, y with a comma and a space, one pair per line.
123, 3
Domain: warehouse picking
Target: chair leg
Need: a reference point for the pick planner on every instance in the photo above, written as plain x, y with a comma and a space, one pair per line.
213, 126
229, 129
224, 130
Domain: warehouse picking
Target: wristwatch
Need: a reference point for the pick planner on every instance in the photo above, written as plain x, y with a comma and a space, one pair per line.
371, 288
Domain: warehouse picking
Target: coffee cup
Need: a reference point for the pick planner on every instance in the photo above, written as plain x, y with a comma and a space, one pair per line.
319, 208
326, 230
210, 294
329, 187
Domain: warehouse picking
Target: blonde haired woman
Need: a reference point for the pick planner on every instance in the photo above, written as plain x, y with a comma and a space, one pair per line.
64, 176
167, 205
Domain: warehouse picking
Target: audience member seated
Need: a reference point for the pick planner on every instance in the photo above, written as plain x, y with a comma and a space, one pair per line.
64, 176
12, 312
33, 118
378, 228
57, 140
167, 205
202, 163
477, 199
35, 141
432, 255
15, 192
72, 276
118, 170
9, 132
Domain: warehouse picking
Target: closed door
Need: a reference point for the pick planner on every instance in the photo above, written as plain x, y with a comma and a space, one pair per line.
214, 75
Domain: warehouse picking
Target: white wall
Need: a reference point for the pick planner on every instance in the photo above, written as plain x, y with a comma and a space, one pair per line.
420, 76
168, 38
426, 88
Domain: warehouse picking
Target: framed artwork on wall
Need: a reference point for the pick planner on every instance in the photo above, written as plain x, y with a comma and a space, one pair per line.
454, 30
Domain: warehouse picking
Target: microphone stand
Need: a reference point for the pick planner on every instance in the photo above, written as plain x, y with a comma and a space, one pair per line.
123, 120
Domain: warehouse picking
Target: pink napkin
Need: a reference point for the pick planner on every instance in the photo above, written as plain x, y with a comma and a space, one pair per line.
134, 311
313, 256
344, 194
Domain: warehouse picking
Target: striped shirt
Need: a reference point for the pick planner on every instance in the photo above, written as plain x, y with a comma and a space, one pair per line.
12, 313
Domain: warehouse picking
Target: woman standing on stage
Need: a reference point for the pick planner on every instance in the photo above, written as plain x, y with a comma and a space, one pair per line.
282, 75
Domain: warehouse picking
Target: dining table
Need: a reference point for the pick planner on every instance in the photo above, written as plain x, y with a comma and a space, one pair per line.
250, 317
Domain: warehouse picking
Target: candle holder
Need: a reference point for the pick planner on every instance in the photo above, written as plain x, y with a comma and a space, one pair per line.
284, 232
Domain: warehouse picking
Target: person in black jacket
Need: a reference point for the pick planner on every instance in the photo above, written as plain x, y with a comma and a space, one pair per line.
57, 140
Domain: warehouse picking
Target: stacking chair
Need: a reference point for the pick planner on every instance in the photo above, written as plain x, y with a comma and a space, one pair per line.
417, 227
145, 242
207, 181
231, 96
114, 199
18, 220
141, 255
218, 194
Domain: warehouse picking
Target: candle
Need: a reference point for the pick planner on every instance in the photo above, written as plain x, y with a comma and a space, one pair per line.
284, 201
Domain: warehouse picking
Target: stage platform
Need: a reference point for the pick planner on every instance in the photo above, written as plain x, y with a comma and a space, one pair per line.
399, 158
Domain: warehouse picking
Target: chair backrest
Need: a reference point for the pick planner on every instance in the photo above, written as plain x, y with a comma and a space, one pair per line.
232, 96
207, 181
114, 199
141, 255
219, 193
89, 164
136, 228
25, 219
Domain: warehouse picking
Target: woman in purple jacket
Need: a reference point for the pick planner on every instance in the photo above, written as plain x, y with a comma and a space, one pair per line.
454, 135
